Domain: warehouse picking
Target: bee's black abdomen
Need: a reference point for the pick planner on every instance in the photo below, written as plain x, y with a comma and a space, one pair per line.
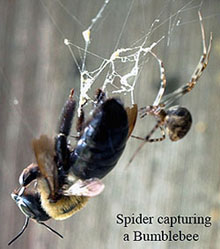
102, 142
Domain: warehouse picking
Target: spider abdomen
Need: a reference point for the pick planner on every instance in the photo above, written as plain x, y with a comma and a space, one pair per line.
178, 122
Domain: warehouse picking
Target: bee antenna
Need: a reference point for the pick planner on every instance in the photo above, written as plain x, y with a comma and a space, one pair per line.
20, 233
51, 229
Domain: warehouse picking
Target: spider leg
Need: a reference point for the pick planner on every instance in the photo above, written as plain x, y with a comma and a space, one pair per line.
147, 139
170, 98
162, 81
151, 140
204, 58
135, 153
144, 111
151, 110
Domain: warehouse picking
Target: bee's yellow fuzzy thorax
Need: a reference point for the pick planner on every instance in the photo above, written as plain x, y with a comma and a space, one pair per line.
64, 207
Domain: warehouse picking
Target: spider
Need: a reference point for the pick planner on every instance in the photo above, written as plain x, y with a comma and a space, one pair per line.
175, 120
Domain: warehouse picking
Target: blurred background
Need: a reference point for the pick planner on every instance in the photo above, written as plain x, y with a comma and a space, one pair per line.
168, 178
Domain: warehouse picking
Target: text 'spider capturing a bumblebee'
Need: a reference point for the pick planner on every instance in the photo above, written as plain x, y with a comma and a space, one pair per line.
63, 178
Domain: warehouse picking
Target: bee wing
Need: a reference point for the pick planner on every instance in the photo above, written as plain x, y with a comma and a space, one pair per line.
44, 153
132, 116
90, 188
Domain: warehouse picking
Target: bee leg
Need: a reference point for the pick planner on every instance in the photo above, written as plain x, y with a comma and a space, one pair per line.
100, 96
62, 151
61, 144
99, 99
80, 123
29, 174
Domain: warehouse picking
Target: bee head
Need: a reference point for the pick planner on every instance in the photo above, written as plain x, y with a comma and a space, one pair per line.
30, 205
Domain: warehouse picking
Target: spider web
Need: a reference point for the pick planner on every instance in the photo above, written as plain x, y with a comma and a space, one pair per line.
123, 65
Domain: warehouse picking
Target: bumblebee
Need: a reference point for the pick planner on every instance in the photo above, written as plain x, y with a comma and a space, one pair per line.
63, 179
